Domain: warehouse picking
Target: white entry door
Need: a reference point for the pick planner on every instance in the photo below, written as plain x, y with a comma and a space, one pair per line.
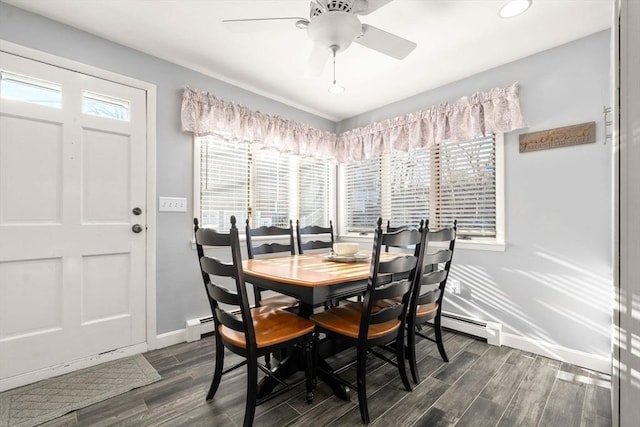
72, 190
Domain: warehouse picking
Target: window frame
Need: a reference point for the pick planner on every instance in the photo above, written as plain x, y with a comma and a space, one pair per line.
496, 243
294, 203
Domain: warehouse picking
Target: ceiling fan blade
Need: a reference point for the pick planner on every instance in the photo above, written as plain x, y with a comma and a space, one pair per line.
372, 6
317, 61
387, 43
262, 24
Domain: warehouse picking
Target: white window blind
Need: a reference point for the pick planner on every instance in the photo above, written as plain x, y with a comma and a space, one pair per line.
314, 192
410, 186
270, 184
224, 182
447, 182
363, 181
467, 186
243, 180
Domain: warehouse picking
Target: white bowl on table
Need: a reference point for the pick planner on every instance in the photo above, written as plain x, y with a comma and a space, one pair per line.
345, 249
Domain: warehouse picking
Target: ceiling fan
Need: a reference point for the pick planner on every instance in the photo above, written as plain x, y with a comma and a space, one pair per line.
333, 25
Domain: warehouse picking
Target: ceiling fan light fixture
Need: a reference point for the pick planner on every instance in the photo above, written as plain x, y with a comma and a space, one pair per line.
514, 8
336, 89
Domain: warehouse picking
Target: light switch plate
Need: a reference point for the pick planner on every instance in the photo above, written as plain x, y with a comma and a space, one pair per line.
172, 204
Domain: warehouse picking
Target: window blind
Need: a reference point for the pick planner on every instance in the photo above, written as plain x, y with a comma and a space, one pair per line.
313, 192
447, 182
410, 187
363, 182
270, 189
467, 187
224, 182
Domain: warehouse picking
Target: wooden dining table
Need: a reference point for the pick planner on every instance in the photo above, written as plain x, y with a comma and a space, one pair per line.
313, 279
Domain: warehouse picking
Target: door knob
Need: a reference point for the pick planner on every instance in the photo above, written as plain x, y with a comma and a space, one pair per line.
136, 228
137, 211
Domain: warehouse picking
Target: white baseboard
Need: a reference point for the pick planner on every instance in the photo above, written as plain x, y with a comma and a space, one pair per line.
563, 354
170, 338
490, 331
65, 368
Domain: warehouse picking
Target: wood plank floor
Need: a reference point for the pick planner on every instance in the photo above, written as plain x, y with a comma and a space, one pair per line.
482, 385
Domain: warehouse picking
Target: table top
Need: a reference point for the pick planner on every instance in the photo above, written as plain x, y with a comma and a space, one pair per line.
311, 270
306, 270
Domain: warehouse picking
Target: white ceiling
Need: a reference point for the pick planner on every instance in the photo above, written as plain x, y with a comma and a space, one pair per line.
456, 39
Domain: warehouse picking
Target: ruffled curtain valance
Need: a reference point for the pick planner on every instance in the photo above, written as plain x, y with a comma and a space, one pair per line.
204, 114
470, 117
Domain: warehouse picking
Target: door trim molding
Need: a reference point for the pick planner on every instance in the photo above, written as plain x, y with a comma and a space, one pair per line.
150, 246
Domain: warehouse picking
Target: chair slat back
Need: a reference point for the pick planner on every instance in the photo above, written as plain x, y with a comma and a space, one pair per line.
403, 270
216, 271
269, 247
307, 237
435, 268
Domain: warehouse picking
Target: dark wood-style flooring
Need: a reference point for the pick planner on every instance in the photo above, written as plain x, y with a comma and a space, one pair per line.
482, 385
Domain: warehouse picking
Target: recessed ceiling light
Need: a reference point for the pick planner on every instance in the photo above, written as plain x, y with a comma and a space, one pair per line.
514, 8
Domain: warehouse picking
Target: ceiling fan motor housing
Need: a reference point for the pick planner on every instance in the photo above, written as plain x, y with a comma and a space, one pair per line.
333, 6
334, 28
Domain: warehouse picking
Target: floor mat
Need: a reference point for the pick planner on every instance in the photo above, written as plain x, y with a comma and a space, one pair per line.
48, 399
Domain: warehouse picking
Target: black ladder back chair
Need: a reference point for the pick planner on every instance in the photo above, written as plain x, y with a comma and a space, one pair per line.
248, 332
391, 229
309, 237
364, 325
262, 247
426, 302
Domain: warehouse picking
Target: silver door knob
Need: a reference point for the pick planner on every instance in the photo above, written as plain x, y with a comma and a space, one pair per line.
137, 228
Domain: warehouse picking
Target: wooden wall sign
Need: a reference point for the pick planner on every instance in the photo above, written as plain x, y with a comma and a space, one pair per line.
583, 133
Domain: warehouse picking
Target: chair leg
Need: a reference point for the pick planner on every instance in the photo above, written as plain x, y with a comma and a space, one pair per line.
439, 342
400, 359
217, 373
411, 351
252, 390
308, 368
316, 346
267, 361
362, 384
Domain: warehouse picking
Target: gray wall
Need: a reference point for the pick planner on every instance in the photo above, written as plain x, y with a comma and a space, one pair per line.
554, 280
552, 283
180, 295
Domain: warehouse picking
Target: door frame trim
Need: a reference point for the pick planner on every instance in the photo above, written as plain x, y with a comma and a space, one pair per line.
150, 90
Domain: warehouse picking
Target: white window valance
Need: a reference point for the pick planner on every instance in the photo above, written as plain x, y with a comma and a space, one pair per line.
468, 118
204, 114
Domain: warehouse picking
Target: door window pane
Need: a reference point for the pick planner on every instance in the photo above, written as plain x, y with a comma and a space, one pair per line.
28, 89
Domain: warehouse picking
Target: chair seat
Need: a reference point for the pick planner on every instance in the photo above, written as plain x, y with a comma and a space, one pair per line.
272, 326
279, 301
421, 310
345, 320
426, 309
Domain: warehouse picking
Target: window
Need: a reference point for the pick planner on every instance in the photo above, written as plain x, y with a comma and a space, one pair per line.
315, 189
244, 180
105, 106
363, 204
31, 90
447, 182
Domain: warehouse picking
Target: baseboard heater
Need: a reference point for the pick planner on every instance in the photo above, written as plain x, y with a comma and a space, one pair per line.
490, 331
198, 327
